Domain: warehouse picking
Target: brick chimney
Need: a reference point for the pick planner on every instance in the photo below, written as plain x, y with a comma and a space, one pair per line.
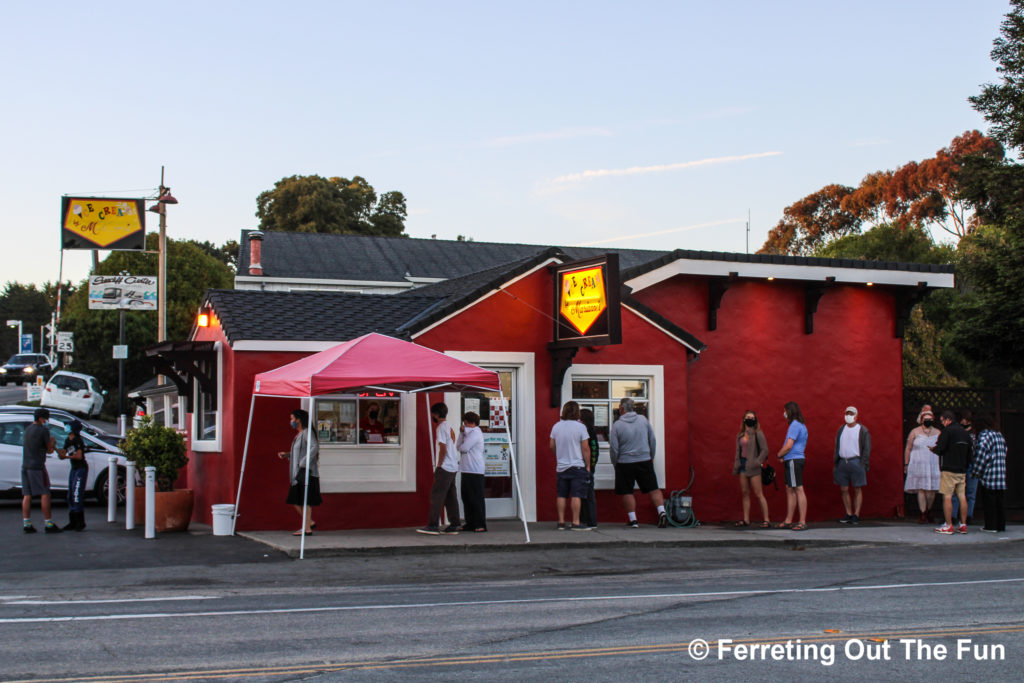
255, 252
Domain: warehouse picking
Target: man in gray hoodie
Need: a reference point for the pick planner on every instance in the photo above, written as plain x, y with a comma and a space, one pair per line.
632, 450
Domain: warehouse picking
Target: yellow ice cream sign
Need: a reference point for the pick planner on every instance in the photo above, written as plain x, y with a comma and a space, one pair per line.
583, 297
90, 223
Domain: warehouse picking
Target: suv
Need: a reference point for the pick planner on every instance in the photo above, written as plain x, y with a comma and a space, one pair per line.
25, 367
64, 416
73, 391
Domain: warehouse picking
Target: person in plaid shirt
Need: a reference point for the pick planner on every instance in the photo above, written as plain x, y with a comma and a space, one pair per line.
989, 467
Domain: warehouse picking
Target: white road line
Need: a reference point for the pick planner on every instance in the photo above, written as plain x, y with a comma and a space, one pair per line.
110, 600
481, 603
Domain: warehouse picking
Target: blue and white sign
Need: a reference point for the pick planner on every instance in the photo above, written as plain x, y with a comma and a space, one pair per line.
26, 344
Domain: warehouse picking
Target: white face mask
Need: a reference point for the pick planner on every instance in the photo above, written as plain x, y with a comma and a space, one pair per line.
784, 416
850, 419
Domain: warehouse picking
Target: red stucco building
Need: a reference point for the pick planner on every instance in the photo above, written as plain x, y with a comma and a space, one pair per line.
705, 336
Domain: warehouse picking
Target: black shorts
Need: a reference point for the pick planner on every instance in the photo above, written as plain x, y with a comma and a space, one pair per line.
573, 483
35, 482
794, 472
295, 493
640, 473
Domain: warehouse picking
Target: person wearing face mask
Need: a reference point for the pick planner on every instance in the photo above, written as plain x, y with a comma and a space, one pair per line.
751, 452
297, 470
371, 429
921, 465
850, 464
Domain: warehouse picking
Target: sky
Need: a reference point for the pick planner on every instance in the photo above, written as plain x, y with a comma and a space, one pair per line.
645, 125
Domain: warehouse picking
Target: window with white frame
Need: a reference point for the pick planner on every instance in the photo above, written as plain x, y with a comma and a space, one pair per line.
363, 419
600, 388
206, 405
602, 396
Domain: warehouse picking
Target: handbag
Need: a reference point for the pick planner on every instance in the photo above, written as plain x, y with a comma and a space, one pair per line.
768, 475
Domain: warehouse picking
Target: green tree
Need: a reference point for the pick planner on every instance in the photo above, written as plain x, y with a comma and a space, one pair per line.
888, 242
988, 317
923, 354
27, 304
331, 205
1002, 104
191, 271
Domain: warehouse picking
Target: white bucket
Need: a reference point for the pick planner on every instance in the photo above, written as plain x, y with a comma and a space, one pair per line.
222, 515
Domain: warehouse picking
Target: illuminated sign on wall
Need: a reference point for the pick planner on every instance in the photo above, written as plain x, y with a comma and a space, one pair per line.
102, 223
587, 302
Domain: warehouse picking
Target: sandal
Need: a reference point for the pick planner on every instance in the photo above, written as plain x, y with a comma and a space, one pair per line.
299, 533
799, 527
740, 525
784, 525
766, 525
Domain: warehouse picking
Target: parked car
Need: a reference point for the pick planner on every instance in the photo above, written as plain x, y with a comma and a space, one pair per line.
64, 416
73, 391
97, 453
25, 367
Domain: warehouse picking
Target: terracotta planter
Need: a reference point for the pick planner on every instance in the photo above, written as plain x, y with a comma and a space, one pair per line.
172, 509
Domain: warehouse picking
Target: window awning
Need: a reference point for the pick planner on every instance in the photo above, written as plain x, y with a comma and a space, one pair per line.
186, 363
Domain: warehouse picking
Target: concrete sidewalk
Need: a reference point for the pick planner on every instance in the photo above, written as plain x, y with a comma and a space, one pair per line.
508, 535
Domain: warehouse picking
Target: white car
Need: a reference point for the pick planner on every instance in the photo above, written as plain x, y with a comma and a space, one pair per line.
73, 391
97, 453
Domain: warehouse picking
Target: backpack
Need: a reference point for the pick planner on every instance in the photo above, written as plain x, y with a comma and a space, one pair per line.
768, 475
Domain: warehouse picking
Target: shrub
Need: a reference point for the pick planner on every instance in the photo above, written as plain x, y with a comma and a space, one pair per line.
153, 445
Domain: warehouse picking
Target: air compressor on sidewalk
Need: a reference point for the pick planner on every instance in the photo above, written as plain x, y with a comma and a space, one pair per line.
679, 507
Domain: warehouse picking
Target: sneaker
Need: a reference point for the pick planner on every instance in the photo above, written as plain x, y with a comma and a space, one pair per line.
854, 520
580, 527
662, 520
561, 526
945, 529
451, 529
633, 524
962, 529
431, 530
52, 528
29, 529
991, 531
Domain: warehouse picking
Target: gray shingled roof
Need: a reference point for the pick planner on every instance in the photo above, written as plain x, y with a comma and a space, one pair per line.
391, 259
311, 316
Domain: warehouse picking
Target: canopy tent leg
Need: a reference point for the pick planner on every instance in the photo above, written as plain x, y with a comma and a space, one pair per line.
515, 470
241, 475
305, 492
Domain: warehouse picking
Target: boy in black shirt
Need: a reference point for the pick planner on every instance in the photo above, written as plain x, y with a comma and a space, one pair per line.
74, 448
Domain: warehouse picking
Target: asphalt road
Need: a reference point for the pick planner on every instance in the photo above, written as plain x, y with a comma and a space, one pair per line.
200, 607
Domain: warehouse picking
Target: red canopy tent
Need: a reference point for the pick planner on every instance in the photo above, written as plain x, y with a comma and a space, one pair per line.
378, 362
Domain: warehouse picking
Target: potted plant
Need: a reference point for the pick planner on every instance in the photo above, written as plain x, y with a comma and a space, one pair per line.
153, 445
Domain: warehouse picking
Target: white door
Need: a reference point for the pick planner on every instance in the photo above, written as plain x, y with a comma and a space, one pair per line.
495, 416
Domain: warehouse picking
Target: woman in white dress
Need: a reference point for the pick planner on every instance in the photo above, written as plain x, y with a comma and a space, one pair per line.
921, 465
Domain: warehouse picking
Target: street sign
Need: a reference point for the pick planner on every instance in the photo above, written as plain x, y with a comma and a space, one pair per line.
65, 346
26, 343
120, 351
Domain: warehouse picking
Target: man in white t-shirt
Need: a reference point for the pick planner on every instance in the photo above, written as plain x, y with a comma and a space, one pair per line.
570, 442
851, 460
471, 467
443, 492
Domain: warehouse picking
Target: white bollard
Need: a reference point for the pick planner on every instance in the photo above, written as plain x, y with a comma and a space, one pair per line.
112, 489
150, 502
129, 496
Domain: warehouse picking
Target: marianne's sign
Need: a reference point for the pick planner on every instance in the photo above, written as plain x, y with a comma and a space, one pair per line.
102, 223
587, 302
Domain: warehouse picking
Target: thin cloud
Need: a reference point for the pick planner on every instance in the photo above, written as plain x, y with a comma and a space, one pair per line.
633, 236
660, 168
563, 134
